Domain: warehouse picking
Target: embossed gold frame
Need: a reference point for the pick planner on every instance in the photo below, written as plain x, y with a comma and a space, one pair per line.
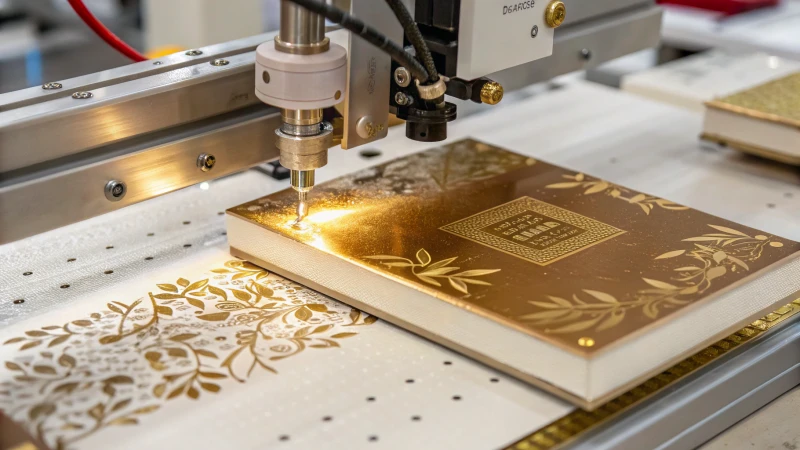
594, 231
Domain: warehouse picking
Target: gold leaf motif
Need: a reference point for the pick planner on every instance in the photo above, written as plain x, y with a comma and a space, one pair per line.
215, 317
602, 296
124, 421
612, 320
66, 361
30, 345
196, 285
147, 409
728, 230
671, 254
121, 404
167, 287
343, 335
458, 285
303, 314
169, 352
423, 257
241, 295
720, 254
659, 284
217, 291
577, 326
433, 270
646, 202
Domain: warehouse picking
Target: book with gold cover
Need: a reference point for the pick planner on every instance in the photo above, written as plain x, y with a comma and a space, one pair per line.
569, 282
763, 120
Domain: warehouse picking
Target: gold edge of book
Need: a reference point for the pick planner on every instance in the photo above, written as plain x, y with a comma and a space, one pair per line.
755, 114
752, 149
566, 429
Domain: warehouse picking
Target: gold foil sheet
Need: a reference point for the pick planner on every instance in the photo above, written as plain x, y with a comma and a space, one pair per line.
574, 260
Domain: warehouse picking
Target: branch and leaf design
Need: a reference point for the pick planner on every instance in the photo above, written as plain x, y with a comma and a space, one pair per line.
596, 186
184, 340
707, 258
434, 273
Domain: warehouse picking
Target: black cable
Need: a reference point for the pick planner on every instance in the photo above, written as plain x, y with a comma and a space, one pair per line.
367, 33
415, 37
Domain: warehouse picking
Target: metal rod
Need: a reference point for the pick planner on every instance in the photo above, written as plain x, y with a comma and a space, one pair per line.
302, 31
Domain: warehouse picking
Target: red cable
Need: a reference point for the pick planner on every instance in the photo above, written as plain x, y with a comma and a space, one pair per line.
105, 34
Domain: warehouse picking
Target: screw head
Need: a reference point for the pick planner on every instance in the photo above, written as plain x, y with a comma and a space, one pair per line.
206, 162
555, 13
82, 95
586, 54
401, 99
115, 190
366, 129
194, 53
157, 63
491, 93
535, 31
51, 86
220, 62
402, 77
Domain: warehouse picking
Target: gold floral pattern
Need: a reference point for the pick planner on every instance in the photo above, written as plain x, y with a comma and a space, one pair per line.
597, 186
188, 339
723, 252
428, 271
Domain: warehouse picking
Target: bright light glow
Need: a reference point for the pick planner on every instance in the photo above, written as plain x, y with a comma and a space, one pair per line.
204, 186
773, 62
327, 216
318, 242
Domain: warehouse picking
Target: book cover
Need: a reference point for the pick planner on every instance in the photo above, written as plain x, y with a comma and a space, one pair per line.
776, 101
763, 120
572, 260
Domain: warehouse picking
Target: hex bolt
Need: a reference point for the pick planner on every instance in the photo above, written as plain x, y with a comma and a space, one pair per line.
206, 162
402, 77
535, 31
194, 53
82, 95
115, 190
51, 86
220, 62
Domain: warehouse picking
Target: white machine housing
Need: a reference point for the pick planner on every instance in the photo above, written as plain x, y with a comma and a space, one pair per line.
495, 35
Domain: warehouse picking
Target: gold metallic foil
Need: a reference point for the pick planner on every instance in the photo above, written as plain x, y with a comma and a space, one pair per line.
562, 256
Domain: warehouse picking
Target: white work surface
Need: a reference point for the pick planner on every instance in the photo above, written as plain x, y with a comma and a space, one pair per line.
775, 31
357, 394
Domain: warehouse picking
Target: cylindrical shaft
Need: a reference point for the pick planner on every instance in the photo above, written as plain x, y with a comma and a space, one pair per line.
301, 116
302, 31
302, 180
